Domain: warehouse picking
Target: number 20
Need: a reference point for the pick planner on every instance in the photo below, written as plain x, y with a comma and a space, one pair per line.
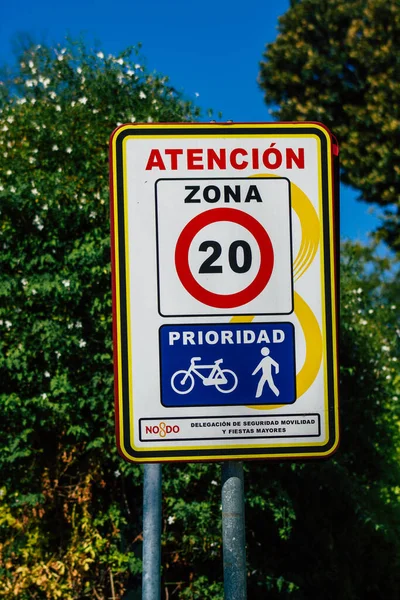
208, 265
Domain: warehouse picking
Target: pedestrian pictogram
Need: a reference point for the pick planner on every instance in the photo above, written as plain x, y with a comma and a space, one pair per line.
266, 365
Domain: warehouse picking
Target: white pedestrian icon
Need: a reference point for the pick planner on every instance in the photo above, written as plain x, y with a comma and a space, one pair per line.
265, 365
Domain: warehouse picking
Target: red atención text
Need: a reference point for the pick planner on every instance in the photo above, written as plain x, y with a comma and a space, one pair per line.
210, 159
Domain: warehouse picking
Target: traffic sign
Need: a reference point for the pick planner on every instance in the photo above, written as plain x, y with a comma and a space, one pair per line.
230, 252
224, 290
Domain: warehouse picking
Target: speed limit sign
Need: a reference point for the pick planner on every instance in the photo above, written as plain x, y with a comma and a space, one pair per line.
224, 290
224, 246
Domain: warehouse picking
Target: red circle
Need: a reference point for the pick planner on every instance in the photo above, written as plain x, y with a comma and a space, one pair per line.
182, 258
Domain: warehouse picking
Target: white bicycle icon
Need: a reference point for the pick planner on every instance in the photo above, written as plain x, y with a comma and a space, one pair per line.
224, 380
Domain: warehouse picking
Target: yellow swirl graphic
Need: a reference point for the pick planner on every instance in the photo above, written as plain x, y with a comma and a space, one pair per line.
304, 209
310, 228
313, 339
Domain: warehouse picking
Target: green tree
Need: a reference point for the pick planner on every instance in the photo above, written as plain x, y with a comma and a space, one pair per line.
338, 62
70, 512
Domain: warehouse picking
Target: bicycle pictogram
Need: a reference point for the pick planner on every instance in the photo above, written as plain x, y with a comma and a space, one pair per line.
224, 380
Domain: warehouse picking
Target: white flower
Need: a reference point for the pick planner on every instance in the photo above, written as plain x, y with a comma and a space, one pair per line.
44, 396
117, 473
60, 57
8, 324
69, 150
213, 482
142, 94
171, 520
46, 374
130, 72
34, 292
33, 101
54, 147
4, 128
385, 348
119, 61
34, 191
12, 189
52, 95
137, 66
10, 119
100, 55
58, 108
95, 111
66, 283
9, 172
38, 222
79, 70
24, 282
58, 354
21, 101
82, 343
83, 100
78, 325
31, 160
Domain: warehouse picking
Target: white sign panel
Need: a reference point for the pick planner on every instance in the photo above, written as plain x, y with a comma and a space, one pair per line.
224, 291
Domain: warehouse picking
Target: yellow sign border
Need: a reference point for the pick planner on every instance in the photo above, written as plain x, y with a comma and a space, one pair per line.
202, 452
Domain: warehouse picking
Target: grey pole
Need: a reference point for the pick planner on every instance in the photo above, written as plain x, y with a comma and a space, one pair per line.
233, 531
151, 573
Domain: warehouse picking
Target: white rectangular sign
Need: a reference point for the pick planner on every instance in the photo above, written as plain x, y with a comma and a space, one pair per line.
224, 291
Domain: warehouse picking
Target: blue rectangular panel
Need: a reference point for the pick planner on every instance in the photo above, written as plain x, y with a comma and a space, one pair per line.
226, 365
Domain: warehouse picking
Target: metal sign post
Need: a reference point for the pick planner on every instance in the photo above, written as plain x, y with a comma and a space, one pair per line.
151, 573
233, 531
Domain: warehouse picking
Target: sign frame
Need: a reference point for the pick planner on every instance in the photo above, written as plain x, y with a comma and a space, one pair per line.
328, 170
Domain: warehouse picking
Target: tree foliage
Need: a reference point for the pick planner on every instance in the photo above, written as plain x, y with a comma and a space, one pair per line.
338, 62
70, 512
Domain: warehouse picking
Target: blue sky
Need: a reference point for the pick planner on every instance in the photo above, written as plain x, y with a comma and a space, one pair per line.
212, 49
